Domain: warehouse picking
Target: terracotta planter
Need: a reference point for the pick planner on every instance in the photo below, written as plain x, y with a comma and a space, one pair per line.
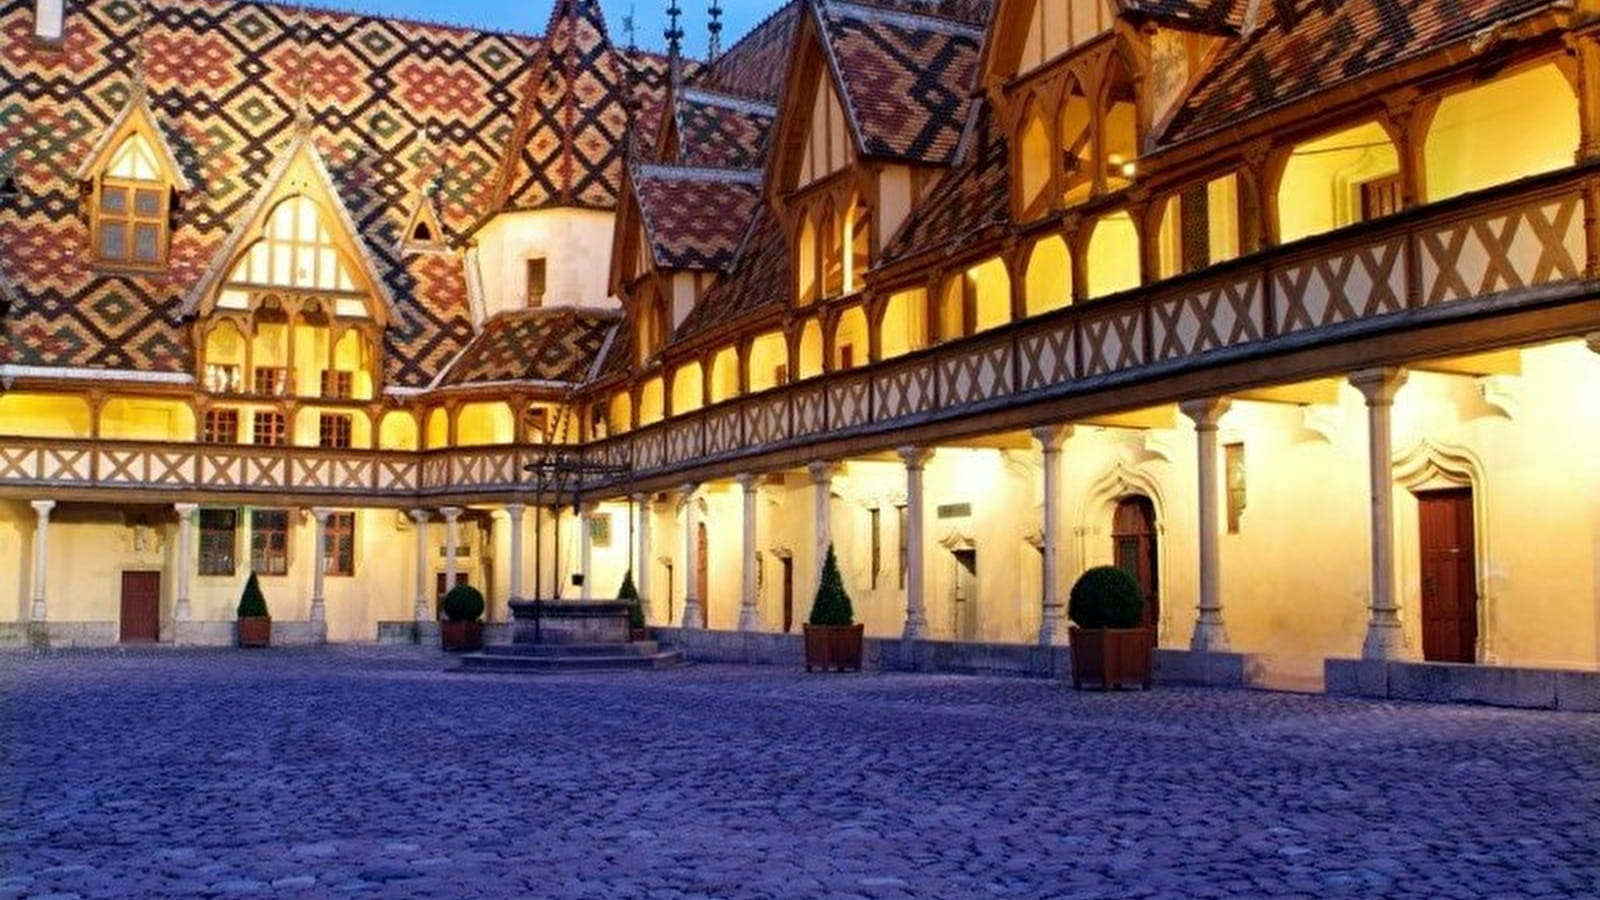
833, 647
461, 636
255, 631
1111, 658
637, 635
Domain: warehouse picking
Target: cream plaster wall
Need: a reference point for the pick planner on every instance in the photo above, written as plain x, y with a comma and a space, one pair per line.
575, 243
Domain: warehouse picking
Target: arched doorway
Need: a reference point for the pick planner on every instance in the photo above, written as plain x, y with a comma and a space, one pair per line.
1134, 550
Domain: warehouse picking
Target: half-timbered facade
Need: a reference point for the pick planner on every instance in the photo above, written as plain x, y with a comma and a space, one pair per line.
1290, 309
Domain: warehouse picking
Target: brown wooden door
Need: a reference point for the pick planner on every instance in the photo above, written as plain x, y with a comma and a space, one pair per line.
441, 586
1449, 577
1134, 549
141, 607
702, 579
788, 594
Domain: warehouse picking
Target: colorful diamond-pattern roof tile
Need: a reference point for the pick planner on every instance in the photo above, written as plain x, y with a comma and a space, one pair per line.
223, 78
907, 79
1220, 16
721, 131
758, 63
973, 196
559, 346
696, 218
1301, 47
759, 281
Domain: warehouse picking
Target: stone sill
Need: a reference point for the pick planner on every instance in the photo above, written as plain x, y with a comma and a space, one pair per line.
1521, 688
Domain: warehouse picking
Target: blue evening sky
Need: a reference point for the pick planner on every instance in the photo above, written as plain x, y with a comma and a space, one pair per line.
530, 16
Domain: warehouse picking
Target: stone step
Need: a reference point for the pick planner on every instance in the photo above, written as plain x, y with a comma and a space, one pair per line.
555, 664
637, 648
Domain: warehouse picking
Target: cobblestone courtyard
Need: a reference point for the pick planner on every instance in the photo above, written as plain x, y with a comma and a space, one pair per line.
315, 773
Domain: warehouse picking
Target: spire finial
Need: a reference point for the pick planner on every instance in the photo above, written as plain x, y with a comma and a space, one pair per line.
715, 27
140, 85
674, 35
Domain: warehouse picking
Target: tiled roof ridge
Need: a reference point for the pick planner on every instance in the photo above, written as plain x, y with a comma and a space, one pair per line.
321, 6
725, 100
672, 172
917, 21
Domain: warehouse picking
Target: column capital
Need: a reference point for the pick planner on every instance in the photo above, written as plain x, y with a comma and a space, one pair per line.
1206, 412
515, 510
822, 471
321, 514
185, 510
687, 489
42, 507
1051, 437
419, 516
640, 499
1593, 340
749, 481
450, 513
1379, 386
915, 457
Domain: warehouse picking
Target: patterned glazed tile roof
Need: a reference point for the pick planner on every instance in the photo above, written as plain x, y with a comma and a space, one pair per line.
575, 119
618, 355
760, 280
972, 196
1301, 47
696, 218
560, 345
756, 65
907, 78
222, 84
722, 131
1207, 15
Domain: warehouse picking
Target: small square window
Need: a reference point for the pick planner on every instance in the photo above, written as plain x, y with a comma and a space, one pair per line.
217, 529
335, 431
221, 427
270, 429
269, 542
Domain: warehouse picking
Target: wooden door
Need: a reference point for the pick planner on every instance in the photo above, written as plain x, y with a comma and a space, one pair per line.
441, 586
1134, 549
966, 597
1449, 577
788, 594
702, 579
141, 607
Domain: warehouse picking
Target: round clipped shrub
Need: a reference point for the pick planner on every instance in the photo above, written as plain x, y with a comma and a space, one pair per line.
252, 603
1106, 597
464, 603
832, 604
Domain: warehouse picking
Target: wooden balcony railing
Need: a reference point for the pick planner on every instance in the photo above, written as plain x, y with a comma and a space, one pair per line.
1470, 256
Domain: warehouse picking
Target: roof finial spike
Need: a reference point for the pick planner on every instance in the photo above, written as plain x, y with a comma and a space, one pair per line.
674, 35
140, 84
630, 29
302, 79
715, 27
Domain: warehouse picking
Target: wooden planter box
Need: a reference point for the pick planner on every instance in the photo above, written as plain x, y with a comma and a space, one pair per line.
637, 635
1111, 658
833, 647
461, 636
255, 631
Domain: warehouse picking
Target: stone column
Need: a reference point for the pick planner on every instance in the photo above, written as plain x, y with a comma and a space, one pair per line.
1385, 636
749, 618
421, 612
822, 513
514, 515
586, 547
452, 539
641, 559
916, 626
1210, 634
1052, 624
186, 511
691, 555
41, 558
319, 606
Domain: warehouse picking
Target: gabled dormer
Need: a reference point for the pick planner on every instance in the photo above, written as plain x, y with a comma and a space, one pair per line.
293, 303
132, 182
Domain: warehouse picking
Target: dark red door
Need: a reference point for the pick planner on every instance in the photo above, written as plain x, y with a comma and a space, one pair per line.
701, 573
788, 594
141, 607
1449, 577
1134, 549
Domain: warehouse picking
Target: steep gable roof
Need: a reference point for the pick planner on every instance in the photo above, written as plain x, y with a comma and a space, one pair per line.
973, 196
721, 130
695, 218
759, 281
135, 115
554, 347
1302, 47
756, 65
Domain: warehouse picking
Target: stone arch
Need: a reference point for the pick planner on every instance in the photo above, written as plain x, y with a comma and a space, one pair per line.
1119, 481
1435, 465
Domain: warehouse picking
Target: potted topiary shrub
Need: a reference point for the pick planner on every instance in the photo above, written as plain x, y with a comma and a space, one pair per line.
462, 628
833, 640
629, 594
1110, 645
254, 624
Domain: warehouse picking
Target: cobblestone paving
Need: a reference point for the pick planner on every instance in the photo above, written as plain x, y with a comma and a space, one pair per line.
373, 771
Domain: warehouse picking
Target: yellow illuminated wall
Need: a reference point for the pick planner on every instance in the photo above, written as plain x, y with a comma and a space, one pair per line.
44, 415
1112, 264
652, 401
810, 349
398, 431
725, 375
769, 358
146, 420
485, 423
1049, 280
905, 323
1509, 128
688, 387
1321, 186
850, 339
438, 429
992, 286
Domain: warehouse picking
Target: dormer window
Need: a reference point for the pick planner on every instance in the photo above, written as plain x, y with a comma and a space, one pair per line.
132, 206
834, 250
